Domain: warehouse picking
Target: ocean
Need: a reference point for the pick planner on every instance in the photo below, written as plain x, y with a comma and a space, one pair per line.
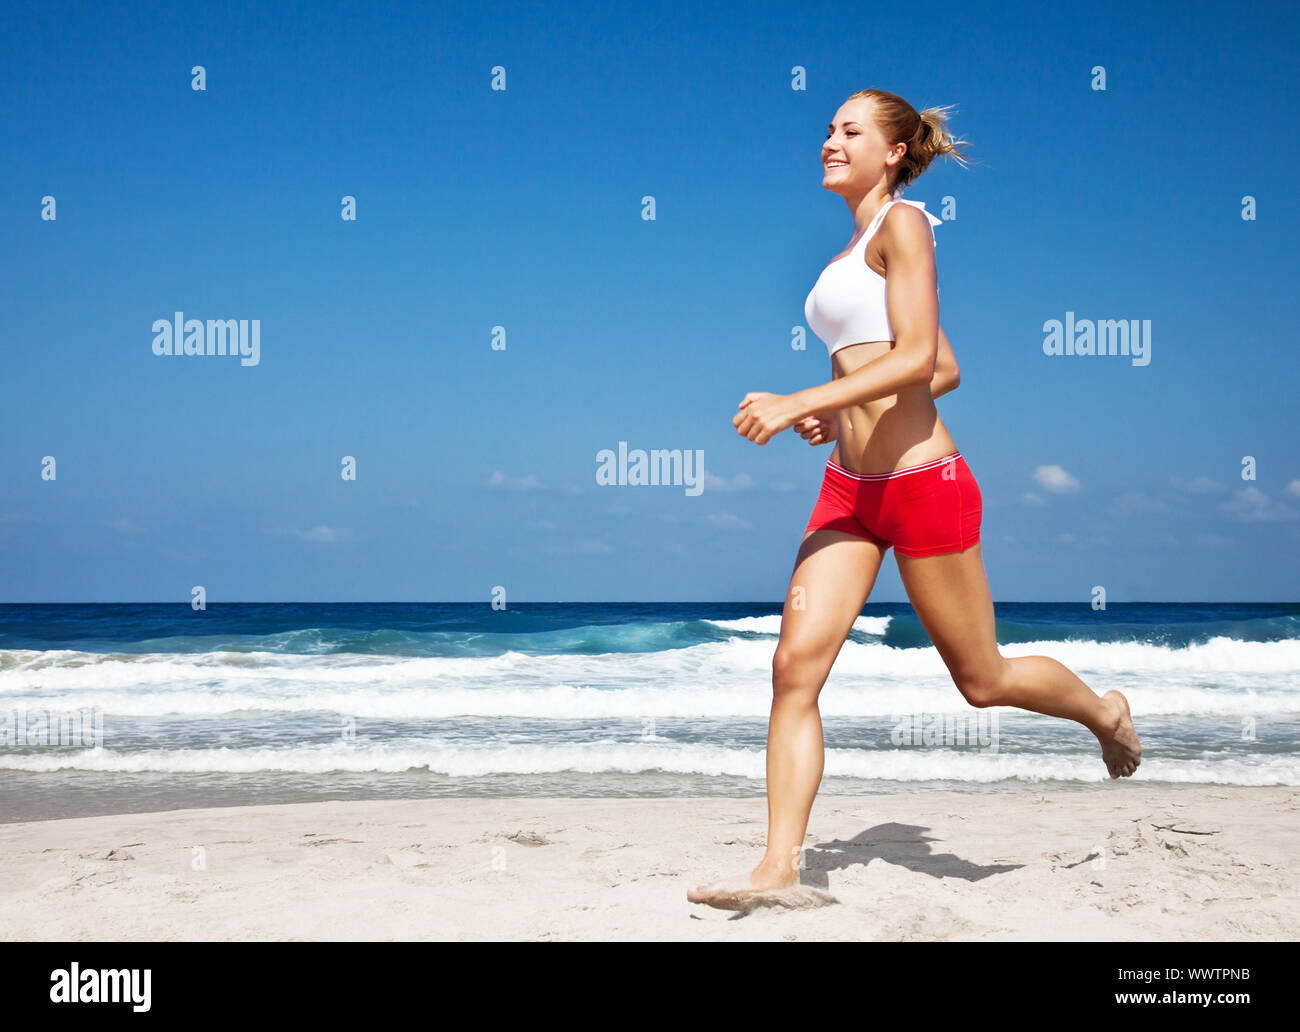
112, 708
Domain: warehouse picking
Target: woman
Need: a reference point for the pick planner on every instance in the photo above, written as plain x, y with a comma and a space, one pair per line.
895, 478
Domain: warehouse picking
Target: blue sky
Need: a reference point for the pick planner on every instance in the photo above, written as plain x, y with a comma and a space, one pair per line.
522, 208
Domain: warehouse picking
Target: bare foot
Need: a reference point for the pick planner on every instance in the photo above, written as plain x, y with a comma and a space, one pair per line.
744, 891
1120, 749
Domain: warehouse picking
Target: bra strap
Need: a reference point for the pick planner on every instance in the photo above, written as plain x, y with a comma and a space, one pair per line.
880, 216
875, 224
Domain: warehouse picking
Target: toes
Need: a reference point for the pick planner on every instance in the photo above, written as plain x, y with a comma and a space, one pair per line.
710, 893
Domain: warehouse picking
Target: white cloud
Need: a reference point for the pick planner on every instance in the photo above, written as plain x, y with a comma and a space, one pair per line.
528, 483
1029, 498
1251, 505
740, 482
1197, 485
323, 533
726, 519
1055, 480
125, 526
1293, 489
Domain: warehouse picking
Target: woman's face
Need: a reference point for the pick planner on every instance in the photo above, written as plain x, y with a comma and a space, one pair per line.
855, 154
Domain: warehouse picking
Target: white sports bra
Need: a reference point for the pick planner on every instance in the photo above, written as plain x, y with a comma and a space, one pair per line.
847, 303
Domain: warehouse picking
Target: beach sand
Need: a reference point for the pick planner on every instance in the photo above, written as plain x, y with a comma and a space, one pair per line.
1122, 863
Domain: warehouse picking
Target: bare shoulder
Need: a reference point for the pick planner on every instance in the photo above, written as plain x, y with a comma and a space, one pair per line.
906, 226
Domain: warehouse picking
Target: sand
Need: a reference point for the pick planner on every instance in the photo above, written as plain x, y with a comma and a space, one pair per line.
1122, 863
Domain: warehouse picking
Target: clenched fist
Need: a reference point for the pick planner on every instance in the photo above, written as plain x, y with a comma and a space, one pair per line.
818, 429
762, 416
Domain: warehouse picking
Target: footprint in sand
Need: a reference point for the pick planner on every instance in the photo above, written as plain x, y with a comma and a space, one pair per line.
798, 897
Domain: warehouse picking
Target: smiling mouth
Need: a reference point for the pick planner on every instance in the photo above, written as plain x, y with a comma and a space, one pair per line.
835, 164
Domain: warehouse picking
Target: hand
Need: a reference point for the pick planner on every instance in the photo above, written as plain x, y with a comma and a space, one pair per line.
762, 416
818, 429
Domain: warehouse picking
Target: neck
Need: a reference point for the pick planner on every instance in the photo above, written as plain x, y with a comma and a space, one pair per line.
866, 206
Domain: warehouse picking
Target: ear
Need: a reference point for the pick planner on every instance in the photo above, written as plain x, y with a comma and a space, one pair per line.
896, 153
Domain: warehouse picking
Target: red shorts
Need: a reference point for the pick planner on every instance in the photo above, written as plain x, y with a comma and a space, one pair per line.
927, 509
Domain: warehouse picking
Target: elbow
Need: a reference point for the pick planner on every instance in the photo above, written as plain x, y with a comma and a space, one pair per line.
923, 371
942, 384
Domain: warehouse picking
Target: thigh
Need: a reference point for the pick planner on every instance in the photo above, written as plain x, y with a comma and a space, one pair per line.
950, 594
834, 573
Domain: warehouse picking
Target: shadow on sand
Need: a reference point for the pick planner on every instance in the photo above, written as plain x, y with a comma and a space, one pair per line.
906, 845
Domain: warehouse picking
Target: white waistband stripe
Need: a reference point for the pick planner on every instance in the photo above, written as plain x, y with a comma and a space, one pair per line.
895, 473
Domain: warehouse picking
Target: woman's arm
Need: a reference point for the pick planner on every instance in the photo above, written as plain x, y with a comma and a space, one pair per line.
947, 377
912, 294
823, 427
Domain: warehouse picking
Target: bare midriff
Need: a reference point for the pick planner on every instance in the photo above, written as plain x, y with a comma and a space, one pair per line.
890, 433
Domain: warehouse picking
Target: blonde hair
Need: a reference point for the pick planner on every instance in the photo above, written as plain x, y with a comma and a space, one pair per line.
925, 133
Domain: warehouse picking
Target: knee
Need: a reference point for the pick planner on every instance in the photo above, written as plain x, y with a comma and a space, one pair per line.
983, 685
792, 674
